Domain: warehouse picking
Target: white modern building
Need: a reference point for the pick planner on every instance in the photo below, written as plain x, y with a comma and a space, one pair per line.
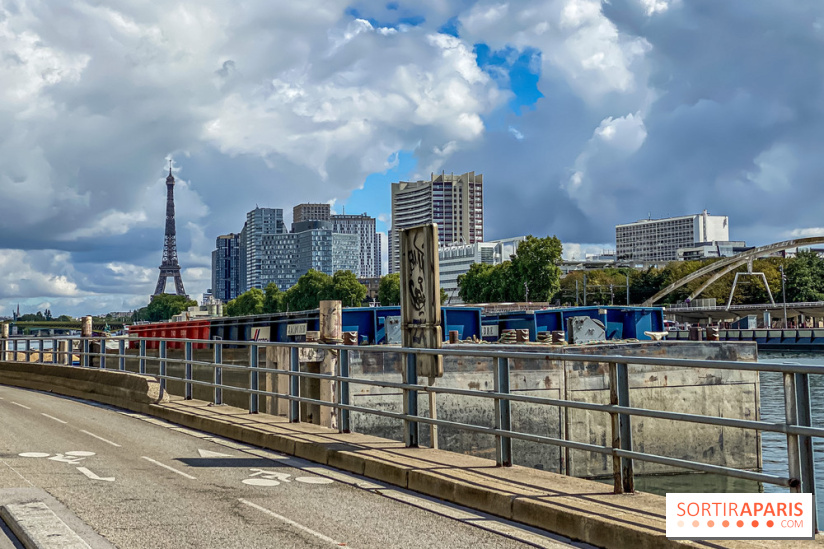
660, 239
707, 250
456, 260
454, 202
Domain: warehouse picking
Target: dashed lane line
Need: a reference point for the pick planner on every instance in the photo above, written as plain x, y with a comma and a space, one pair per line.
54, 418
100, 438
181, 473
291, 523
21, 405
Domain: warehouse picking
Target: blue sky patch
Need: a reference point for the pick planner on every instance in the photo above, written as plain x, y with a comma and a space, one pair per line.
515, 70
375, 196
450, 27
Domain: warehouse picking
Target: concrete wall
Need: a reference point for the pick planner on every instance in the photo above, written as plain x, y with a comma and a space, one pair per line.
726, 393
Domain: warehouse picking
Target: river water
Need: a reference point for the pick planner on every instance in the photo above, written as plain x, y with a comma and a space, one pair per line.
774, 445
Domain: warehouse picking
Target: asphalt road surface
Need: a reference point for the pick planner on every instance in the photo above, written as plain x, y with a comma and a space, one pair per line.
140, 482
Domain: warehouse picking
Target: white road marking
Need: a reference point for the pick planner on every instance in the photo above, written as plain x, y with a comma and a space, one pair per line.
260, 482
181, 473
100, 438
34, 455
290, 522
314, 480
94, 476
80, 453
74, 460
54, 418
210, 454
21, 405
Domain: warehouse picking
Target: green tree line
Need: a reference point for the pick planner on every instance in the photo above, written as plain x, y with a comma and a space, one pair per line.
310, 290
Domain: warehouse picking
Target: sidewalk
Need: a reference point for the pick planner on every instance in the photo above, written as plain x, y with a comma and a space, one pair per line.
575, 508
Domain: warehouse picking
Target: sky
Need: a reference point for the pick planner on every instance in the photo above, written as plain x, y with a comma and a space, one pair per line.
580, 114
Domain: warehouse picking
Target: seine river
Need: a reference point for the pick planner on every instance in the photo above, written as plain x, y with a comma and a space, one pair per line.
774, 445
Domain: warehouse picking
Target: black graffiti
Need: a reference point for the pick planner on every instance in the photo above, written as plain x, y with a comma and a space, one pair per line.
417, 262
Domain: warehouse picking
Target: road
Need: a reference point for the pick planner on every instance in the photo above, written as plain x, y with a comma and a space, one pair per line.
142, 482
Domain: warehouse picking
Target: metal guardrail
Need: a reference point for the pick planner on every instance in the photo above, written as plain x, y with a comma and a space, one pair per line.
797, 428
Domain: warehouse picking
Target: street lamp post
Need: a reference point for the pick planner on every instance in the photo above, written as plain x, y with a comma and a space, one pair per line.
783, 293
627, 275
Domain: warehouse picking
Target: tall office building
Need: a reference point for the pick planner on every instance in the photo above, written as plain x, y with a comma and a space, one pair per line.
226, 267
369, 253
311, 212
660, 239
454, 202
256, 253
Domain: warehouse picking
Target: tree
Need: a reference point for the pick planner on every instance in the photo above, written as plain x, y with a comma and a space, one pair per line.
272, 299
307, 293
533, 269
805, 277
535, 264
444, 297
165, 306
346, 288
389, 289
247, 303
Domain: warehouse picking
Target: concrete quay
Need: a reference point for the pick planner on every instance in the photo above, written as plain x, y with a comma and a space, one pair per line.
575, 508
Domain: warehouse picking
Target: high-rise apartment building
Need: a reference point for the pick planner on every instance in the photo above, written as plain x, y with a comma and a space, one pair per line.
311, 212
369, 253
225, 267
660, 239
454, 202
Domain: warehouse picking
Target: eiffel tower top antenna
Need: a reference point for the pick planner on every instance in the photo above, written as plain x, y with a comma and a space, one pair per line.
169, 266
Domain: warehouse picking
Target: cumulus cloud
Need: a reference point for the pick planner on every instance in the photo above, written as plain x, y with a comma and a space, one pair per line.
641, 107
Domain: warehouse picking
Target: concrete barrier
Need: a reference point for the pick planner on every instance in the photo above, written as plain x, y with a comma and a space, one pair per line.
126, 390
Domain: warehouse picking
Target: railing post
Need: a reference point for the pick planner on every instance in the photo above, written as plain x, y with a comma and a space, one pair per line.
162, 365
805, 442
253, 378
342, 388
70, 348
27, 349
503, 414
622, 469
102, 353
121, 350
188, 371
410, 401
54, 351
85, 361
791, 413
15, 346
142, 355
294, 384
218, 373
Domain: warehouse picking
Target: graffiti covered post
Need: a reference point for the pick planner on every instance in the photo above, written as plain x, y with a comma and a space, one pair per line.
421, 296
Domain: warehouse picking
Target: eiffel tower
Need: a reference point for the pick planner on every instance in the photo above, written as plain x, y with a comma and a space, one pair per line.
169, 266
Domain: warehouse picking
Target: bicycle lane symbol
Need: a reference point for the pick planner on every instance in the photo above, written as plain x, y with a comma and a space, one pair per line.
74, 457
262, 477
